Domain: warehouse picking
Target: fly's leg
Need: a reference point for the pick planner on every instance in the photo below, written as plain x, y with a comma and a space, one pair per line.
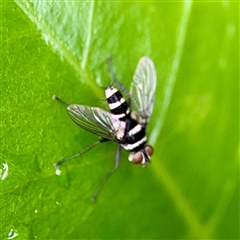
55, 97
115, 82
57, 164
110, 66
117, 161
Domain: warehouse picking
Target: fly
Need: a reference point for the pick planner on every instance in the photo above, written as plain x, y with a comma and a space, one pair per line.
126, 121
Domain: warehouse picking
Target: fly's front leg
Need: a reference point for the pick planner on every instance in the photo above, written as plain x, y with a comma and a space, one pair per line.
117, 161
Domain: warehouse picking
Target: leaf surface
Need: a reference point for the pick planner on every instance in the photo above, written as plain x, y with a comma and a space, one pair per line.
190, 190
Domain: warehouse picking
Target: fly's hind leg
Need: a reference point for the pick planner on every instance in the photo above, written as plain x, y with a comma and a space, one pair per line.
115, 82
110, 67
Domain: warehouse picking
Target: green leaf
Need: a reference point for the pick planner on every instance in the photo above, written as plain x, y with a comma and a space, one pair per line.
191, 188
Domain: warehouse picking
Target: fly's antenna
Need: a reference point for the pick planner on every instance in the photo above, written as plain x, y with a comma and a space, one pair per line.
55, 97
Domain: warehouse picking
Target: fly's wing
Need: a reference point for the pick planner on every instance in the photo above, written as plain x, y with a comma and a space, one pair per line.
97, 121
142, 91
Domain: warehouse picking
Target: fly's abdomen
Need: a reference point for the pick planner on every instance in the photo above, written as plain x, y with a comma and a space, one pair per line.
117, 103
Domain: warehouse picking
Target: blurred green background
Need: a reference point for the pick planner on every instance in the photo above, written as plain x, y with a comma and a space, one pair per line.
191, 188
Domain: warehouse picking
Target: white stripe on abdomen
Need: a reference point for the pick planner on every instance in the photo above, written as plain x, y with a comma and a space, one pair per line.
132, 146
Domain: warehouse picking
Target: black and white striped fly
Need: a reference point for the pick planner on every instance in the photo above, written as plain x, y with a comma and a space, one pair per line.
126, 122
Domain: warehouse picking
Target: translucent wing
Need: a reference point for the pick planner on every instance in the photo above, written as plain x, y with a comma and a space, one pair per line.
97, 121
142, 90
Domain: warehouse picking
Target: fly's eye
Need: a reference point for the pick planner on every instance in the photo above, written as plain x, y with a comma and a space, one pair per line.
142, 156
136, 157
149, 150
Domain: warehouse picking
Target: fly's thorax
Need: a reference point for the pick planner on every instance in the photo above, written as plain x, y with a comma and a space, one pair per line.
117, 103
142, 156
135, 136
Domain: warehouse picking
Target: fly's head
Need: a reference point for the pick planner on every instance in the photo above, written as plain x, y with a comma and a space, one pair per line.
142, 156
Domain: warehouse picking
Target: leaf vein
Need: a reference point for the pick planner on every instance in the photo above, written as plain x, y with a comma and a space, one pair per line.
56, 43
181, 203
89, 36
